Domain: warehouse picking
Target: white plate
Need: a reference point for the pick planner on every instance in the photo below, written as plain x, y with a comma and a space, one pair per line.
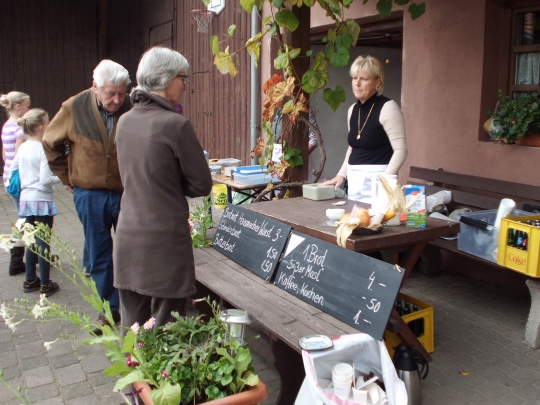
315, 342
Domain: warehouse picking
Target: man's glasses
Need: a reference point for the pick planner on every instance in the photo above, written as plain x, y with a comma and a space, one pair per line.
184, 78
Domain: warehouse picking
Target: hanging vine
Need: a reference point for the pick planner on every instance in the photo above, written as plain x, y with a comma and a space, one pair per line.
289, 92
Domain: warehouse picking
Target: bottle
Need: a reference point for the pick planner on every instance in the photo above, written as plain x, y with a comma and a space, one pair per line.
519, 241
407, 309
524, 244
400, 307
510, 236
406, 362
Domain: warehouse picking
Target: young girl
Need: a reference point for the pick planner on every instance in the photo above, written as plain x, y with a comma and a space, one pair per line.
16, 104
36, 200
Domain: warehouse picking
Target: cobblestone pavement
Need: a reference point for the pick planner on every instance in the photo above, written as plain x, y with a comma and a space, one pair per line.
479, 329
70, 373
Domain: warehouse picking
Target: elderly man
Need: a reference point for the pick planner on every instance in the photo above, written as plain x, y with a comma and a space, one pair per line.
80, 148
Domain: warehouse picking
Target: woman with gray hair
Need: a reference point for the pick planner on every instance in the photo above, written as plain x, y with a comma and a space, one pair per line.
161, 163
377, 143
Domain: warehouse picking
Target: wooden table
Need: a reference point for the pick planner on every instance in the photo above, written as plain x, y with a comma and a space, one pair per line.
283, 316
308, 216
247, 190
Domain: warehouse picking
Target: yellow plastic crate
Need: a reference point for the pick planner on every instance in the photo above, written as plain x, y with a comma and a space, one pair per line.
518, 259
426, 314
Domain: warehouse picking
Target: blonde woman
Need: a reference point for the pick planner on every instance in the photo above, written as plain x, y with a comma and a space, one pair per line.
36, 199
376, 138
16, 104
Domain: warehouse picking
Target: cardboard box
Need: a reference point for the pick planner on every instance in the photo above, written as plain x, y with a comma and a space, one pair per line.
416, 217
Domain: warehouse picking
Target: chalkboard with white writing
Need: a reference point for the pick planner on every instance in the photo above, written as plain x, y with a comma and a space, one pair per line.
354, 288
250, 239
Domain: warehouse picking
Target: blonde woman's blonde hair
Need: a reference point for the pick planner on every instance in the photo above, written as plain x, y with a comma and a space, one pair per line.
371, 66
30, 121
10, 100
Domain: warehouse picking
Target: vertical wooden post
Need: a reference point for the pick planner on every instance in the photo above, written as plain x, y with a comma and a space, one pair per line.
299, 137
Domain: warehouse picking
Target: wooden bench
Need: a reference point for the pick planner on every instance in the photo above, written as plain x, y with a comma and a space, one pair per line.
283, 318
478, 193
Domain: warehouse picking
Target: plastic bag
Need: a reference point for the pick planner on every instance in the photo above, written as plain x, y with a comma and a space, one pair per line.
367, 355
14, 186
440, 198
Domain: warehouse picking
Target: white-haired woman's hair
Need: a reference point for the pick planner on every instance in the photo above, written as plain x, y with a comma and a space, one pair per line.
371, 66
158, 67
10, 100
110, 71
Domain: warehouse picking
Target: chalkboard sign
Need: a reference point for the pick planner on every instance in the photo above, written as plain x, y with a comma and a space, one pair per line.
356, 289
250, 239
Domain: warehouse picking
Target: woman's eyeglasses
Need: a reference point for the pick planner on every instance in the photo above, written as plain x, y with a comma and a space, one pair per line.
184, 78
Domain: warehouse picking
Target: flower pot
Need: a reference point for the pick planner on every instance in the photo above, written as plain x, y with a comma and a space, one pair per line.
529, 140
252, 397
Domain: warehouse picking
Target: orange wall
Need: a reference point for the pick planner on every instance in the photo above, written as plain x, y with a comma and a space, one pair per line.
443, 67
451, 70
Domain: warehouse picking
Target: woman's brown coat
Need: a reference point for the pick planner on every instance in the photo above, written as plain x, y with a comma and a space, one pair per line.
161, 162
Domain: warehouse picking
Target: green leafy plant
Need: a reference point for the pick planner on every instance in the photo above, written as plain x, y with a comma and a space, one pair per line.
515, 117
186, 361
200, 220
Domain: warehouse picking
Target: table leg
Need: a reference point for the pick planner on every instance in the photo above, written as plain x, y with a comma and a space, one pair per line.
401, 329
290, 367
229, 195
399, 326
410, 259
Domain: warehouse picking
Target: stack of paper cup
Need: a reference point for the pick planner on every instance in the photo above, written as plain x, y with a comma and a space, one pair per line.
342, 377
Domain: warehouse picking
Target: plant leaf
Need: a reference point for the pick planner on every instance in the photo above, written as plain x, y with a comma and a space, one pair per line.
134, 376
118, 368
334, 6
225, 64
168, 394
249, 4
353, 29
286, 18
334, 97
281, 61
214, 44
384, 7
231, 30
417, 10
340, 58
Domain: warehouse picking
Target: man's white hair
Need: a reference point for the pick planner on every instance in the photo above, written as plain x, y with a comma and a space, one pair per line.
110, 71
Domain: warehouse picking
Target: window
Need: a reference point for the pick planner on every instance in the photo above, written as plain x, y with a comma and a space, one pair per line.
525, 51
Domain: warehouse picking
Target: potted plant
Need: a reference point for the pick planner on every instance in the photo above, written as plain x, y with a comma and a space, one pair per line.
188, 361
514, 119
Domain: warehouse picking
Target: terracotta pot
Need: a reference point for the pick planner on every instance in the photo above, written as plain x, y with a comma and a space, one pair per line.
529, 140
252, 397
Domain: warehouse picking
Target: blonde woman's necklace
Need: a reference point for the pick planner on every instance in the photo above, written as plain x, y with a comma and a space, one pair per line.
365, 122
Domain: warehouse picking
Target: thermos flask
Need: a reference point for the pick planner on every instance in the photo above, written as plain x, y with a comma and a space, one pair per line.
406, 361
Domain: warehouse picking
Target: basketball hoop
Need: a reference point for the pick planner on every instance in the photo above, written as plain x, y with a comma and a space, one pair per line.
203, 18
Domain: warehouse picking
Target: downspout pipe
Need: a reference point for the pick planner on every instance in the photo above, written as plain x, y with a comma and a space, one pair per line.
255, 87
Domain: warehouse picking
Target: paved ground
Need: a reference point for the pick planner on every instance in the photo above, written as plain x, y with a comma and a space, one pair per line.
479, 329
